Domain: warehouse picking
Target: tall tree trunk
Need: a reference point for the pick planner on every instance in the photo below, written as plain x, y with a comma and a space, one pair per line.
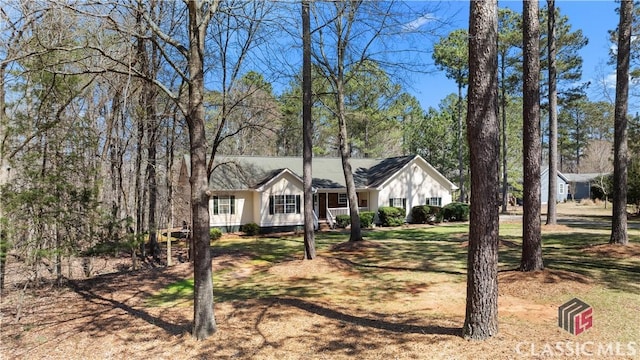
141, 57
307, 135
154, 247
531, 238
5, 172
204, 324
620, 156
553, 115
503, 115
459, 135
148, 103
169, 157
481, 317
138, 188
343, 138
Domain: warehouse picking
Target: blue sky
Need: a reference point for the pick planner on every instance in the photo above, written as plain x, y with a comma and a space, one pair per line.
594, 18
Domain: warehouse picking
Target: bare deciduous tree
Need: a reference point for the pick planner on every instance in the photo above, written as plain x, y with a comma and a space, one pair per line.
307, 134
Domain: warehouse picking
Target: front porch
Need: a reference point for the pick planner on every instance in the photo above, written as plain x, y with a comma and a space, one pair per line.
328, 205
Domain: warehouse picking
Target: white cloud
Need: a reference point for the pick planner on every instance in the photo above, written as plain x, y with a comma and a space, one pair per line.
419, 22
610, 81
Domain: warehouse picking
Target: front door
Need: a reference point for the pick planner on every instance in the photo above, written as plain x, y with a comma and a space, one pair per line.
322, 206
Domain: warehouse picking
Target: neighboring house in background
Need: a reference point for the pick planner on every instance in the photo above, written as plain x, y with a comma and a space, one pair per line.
563, 187
268, 191
581, 184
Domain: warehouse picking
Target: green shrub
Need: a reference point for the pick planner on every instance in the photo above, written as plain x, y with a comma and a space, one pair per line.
420, 214
391, 216
251, 229
215, 234
343, 221
455, 212
366, 219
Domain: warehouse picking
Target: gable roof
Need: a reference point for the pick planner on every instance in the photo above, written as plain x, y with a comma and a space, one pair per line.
560, 175
253, 172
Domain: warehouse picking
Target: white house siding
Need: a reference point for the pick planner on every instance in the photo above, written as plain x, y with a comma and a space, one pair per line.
257, 207
286, 184
415, 184
243, 210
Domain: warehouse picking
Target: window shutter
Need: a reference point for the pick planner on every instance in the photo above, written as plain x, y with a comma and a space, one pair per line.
404, 203
297, 204
271, 205
232, 201
215, 205
391, 202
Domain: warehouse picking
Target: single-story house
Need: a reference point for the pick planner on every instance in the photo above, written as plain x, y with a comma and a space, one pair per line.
562, 183
268, 191
581, 184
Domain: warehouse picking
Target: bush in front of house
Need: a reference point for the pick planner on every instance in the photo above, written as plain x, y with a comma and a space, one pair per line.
391, 216
251, 229
420, 214
455, 212
343, 221
215, 234
366, 219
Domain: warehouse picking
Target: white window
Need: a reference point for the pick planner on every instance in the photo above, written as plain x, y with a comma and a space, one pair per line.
561, 188
434, 201
398, 202
224, 204
284, 204
342, 199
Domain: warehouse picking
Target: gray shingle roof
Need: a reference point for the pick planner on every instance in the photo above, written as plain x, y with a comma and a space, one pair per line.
583, 177
251, 172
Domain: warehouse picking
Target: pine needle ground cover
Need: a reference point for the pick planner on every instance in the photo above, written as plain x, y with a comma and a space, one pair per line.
399, 294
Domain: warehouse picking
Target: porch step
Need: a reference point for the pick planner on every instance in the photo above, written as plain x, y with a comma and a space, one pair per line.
323, 226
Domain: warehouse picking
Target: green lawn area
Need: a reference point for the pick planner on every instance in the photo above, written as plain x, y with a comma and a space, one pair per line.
399, 267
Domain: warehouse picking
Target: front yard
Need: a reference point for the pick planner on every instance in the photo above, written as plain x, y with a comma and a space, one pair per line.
400, 294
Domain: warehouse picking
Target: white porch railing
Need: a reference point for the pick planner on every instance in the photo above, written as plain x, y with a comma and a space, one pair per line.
332, 213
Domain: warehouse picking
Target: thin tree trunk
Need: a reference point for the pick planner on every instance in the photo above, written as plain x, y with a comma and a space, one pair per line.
503, 115
356, 232
483, 136
170, 137
154, 247
620, 160
459, 135
5, 172
307, 135
531, 238
138, 188
345, 151
553, 116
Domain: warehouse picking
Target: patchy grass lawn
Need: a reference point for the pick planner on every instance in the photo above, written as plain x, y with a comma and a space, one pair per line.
398, 295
